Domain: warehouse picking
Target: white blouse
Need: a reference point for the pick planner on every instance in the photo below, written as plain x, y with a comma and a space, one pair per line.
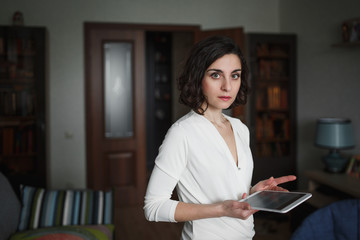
196, 159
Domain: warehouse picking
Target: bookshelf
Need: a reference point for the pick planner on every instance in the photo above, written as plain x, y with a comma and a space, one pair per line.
159, 91
22, 104
272, 64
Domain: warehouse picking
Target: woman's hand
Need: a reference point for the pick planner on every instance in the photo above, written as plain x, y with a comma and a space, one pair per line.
237, 209
272, 184
229, 208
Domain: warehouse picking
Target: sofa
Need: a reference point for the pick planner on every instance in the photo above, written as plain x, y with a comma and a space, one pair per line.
336, 221
39, 213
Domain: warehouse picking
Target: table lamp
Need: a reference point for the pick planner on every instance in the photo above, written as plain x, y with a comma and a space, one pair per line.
334, 134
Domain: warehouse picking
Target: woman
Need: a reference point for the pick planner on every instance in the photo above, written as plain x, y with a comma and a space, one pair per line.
206, 154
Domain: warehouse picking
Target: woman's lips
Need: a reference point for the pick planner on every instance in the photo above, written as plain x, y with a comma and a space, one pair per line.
225, 98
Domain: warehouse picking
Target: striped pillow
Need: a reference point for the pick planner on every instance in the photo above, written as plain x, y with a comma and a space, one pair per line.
49, 208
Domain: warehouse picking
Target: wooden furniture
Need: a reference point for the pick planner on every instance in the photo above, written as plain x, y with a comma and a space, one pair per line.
158, 91
329, 187
272, 62
22, 104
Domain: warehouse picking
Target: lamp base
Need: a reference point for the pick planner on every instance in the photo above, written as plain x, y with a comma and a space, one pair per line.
334, 163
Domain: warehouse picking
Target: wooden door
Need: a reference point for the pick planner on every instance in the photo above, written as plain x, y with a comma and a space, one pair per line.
115, 66
237, 34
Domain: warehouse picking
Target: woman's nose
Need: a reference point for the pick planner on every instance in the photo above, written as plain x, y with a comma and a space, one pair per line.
226, 85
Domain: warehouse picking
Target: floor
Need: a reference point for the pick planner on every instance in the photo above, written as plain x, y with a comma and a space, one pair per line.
131, 225
272, 226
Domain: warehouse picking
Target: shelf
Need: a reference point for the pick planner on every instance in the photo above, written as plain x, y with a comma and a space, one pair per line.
271, 110
21, 156
273, 140
273, 57
16, 121
17, 80
23, 54
347, 44
272, 80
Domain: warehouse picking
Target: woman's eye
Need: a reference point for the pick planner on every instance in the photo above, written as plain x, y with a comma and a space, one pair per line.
236, 76
215, 75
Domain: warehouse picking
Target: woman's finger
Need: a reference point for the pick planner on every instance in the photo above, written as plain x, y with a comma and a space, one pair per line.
285, 179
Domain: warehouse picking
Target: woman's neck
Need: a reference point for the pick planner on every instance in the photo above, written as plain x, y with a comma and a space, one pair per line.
215, 117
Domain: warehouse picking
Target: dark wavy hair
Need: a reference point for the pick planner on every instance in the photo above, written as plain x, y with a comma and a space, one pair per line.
201, 56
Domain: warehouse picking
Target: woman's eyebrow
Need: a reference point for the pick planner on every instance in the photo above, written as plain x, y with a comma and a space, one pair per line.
219, 70
214, 70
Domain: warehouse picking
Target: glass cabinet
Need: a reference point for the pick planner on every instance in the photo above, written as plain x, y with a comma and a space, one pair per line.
159, 90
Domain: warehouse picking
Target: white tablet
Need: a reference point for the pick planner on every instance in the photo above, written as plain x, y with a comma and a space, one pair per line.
276, 201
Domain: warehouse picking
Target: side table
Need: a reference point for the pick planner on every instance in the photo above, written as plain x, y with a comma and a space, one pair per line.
326, 188
330, 187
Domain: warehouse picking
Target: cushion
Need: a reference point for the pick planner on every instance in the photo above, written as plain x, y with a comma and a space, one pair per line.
9, 208
49, 208
91, 232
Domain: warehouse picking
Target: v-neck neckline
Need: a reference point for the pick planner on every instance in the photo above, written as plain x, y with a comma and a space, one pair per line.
234, 163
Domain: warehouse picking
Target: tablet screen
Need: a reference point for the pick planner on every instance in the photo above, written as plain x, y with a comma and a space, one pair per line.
276, 201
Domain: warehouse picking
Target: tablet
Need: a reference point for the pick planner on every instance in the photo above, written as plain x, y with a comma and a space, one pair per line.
276, 201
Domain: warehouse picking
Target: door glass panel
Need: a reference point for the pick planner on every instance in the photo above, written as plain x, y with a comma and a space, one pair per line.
118, 90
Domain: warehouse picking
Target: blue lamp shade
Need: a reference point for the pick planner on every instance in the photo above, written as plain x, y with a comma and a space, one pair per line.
334, 133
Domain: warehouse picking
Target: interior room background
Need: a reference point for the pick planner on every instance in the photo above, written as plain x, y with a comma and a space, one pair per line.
328, 78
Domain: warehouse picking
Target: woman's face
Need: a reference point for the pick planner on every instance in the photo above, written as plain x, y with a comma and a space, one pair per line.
222, 81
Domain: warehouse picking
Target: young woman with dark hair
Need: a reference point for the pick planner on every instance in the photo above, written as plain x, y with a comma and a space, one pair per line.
202, 56
206, 154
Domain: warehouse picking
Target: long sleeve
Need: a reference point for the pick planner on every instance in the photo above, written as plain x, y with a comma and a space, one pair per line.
158, 205
169, 164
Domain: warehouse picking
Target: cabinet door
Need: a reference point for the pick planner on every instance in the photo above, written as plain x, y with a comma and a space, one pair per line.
22, 104
273, 109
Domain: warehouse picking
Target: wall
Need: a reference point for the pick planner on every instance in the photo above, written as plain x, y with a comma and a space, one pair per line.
328, 77
64, 22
